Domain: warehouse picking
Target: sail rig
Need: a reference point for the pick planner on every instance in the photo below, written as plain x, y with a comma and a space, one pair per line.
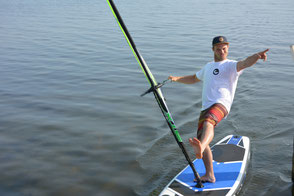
155, 88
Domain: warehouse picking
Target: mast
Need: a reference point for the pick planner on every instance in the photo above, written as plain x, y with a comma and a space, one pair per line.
155, 88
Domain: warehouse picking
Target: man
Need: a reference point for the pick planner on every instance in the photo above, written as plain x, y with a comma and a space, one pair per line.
220, 79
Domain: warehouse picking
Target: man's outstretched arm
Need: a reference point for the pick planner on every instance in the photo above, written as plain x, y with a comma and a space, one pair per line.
252, 60
191, 79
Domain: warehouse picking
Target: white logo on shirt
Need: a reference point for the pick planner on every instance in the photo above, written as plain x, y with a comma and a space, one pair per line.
215, 71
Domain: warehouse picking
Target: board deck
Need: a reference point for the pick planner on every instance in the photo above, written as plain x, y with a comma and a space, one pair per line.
230, 161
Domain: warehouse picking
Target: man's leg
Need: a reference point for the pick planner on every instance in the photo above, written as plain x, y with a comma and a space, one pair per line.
206, 138
202, 150
207, 135
207, 159
199, 145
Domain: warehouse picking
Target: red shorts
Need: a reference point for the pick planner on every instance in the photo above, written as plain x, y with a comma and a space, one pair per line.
214, 114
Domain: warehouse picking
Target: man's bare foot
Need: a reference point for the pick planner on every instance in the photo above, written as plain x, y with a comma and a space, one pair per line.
208, 178
196, 144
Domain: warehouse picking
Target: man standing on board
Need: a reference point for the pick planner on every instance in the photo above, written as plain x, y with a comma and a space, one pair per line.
220, 79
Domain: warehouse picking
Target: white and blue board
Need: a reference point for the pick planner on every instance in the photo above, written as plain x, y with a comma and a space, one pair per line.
230, 162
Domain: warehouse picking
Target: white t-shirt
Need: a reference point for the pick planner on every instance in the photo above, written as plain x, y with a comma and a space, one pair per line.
219, 83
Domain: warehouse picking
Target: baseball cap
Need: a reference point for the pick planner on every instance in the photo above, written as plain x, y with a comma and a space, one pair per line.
219, 40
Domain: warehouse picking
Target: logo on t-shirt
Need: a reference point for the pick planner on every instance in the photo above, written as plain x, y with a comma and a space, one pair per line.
215, 71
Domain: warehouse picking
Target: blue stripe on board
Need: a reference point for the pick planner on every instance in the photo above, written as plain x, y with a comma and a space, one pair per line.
235, 140
225, 174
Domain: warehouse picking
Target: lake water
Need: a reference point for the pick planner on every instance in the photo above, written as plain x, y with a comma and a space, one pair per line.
72, 121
